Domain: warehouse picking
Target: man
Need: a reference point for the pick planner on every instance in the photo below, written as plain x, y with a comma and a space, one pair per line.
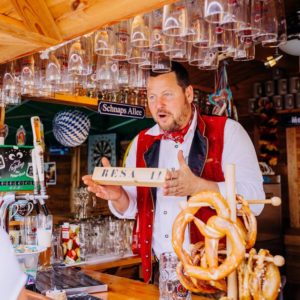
195, 148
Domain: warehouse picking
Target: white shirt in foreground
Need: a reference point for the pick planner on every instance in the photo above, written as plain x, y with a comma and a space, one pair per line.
238, 150
12, 279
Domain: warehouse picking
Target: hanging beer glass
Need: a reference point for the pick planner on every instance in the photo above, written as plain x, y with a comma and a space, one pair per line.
178, 49
157, 38
64, 85
174, 21
123, 78
244, 48
252, 13
146, 64
53, 73
195, 56
136, 55
27, 75
137, 77
200, 26
81, 56
281, 27
193, 11
217, 37
75, 62
160, 63
104, 39
268, 23
107, 73
214, 10
11, 93
121, 41
234, 16
210, 59
140, 33
42, 87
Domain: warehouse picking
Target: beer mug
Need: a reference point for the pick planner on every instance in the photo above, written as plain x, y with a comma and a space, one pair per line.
29, 227
170, 288
20, 209
44, 239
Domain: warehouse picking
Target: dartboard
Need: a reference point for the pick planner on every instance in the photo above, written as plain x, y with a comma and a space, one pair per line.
100, 146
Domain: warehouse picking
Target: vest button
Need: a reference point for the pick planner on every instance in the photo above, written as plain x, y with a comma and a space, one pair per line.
149, 225
147, 242
147, 255
147, 270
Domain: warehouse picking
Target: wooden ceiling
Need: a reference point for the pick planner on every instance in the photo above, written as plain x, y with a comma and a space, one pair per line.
27, 26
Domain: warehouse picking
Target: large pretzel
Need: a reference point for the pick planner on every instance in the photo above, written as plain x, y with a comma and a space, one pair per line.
216, 228
258, 279
250, 224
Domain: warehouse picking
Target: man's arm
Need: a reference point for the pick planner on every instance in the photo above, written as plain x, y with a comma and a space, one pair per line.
121, 200
238, 150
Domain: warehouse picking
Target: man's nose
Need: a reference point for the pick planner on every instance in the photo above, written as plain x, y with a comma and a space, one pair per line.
160, 102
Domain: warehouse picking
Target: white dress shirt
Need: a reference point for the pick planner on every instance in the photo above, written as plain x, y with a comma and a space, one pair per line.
12, 279
238, 149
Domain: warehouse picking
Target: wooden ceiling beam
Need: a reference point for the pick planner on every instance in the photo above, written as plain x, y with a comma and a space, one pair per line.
37, 17
16, 29
102, 12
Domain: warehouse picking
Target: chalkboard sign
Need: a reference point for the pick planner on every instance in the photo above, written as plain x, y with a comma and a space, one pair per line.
15, 168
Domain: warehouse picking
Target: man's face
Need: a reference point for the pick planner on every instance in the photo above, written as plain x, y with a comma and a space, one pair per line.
169, 104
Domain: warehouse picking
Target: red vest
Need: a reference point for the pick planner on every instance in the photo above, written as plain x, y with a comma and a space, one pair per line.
204, 160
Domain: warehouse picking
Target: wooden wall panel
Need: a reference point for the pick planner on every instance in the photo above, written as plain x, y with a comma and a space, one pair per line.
293, 165
59, 202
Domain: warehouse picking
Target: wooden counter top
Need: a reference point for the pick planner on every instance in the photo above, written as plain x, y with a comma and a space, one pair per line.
128, 289
118, 288
117, 262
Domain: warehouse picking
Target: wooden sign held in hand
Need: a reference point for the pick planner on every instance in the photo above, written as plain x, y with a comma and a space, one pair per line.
150, 177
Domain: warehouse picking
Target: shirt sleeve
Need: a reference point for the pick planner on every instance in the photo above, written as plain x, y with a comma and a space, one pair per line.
130, 190
12, 279
239, 150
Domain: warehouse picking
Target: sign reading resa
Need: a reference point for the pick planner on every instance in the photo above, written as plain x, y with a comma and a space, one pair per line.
121, 110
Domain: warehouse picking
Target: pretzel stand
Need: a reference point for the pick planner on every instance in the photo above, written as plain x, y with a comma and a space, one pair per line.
205, 268
232, 290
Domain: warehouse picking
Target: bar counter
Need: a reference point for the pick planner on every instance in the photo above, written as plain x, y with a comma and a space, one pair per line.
120, 288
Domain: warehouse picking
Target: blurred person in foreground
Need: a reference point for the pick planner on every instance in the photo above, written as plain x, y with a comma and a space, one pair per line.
195, 148
12, 279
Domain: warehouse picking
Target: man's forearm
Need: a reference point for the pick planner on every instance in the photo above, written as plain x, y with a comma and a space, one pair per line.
121, 204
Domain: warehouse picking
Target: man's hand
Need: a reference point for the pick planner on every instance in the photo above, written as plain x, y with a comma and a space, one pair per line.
183, 182
108, 192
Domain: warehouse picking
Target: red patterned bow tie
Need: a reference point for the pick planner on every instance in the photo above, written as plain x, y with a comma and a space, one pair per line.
176, 136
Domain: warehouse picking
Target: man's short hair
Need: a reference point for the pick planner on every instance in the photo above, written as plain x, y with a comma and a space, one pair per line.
182, 75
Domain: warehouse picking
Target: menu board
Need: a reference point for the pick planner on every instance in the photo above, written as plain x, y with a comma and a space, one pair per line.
15, 168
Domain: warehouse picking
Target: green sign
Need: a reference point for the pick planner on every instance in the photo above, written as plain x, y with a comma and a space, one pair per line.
15, 168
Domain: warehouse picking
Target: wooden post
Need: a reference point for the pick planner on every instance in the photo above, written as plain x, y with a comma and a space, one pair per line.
75, 175
292, 144
232, 290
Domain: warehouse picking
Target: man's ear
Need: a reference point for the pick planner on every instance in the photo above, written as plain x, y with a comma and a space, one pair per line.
189, 94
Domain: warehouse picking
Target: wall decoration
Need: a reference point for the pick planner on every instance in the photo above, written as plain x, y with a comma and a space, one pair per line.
99, 146
71, 127
14, 168
50, 173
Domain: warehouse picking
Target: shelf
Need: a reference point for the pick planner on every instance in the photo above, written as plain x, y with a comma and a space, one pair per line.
288, 111
66, 99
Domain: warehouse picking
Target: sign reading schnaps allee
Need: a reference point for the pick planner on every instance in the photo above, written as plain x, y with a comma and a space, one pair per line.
151, 177
121, 110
